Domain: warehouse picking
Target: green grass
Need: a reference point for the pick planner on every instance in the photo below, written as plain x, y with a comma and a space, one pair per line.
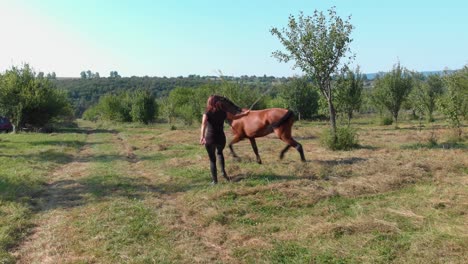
26, 160
144, 197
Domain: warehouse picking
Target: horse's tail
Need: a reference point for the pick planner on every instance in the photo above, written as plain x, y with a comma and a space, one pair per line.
286, 117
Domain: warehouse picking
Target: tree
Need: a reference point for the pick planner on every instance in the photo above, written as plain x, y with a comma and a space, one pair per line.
434, 89
454, 103
418, 97
317, 45
241, 94
425, 92
83, 75
392, 89
27, 99
349, 92
114, 74
301, 97
144, 107
185, 107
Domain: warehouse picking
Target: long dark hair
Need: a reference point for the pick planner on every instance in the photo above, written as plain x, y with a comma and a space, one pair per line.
213, 104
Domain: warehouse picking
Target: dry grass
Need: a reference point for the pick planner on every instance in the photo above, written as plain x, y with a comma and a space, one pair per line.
142, 194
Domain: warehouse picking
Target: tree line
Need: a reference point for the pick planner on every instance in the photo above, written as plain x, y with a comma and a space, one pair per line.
317, 44
32, 99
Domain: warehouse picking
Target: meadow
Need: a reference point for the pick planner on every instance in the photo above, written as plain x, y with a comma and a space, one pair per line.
128, 193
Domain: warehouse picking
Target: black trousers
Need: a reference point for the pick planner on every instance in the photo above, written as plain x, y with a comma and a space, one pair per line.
213, 151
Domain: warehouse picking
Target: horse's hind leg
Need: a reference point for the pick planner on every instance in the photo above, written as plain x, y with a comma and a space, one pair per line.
284, 133
292, 143
284, 151
255, 149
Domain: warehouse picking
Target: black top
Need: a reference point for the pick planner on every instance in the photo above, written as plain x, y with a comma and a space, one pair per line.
215, 128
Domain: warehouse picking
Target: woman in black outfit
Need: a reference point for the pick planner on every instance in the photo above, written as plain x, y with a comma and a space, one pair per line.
212, 134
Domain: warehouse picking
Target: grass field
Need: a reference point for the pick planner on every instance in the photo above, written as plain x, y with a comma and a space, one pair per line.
112, 193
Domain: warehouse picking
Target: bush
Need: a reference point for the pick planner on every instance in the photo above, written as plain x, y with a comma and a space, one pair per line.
144, 108
346, 139
31, 100
92, 114
386, 121
138, 106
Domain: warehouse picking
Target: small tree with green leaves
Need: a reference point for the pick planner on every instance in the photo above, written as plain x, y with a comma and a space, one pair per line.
167, 109
317, 44
31, 100
349, 92
423, 97
300, 96
144, 108
434, 89
185, 106
454, 103
116, 107
392, 89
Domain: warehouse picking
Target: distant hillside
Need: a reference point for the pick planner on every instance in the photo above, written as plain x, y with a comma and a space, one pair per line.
85, 92
371, 76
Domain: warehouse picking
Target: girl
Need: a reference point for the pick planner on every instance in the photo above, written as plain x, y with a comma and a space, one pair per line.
212, 134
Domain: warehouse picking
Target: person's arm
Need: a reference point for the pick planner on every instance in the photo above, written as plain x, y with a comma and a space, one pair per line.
237, 116
203, 129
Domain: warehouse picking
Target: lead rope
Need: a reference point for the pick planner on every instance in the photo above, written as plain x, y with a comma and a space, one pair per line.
260, 97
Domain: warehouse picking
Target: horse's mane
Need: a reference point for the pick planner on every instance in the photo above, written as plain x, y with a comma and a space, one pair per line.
238, 109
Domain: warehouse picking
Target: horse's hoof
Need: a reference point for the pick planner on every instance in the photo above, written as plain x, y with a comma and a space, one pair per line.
227, 178
259, 161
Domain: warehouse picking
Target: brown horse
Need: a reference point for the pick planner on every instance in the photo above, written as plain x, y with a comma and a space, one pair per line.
259, 123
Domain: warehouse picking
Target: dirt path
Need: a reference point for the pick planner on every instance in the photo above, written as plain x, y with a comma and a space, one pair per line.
61, 193
64, 192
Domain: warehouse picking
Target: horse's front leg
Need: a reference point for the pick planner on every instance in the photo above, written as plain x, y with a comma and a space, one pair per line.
255, 149
234, 141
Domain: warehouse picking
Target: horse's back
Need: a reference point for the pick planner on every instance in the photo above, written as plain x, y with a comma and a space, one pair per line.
259, 123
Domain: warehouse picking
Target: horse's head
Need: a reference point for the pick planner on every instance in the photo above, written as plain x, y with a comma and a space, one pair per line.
227, 105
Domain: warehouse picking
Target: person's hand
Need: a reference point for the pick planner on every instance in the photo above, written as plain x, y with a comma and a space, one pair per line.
202, 141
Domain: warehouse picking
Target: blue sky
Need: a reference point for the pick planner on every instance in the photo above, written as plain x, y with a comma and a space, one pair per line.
173, 38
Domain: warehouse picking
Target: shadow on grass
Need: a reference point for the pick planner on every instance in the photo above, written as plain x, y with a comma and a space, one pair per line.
18, 190
366, 147
46, 156
265, 178
346, 161
68, 143
85, 130
430, 145
73, 193
64, 158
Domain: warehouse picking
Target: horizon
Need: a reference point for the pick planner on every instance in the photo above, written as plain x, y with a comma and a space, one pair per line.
368, 74
142, 38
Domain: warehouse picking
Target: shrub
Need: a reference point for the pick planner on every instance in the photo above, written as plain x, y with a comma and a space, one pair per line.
346, 138
92, 114
386, 121
144, 107
28, 99
138, 106
454, 103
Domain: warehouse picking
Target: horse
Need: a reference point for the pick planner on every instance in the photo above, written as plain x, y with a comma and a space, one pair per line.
259, 123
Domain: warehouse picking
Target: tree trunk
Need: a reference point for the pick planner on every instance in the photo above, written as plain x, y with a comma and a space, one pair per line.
396, 120
350, 115
332, 111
